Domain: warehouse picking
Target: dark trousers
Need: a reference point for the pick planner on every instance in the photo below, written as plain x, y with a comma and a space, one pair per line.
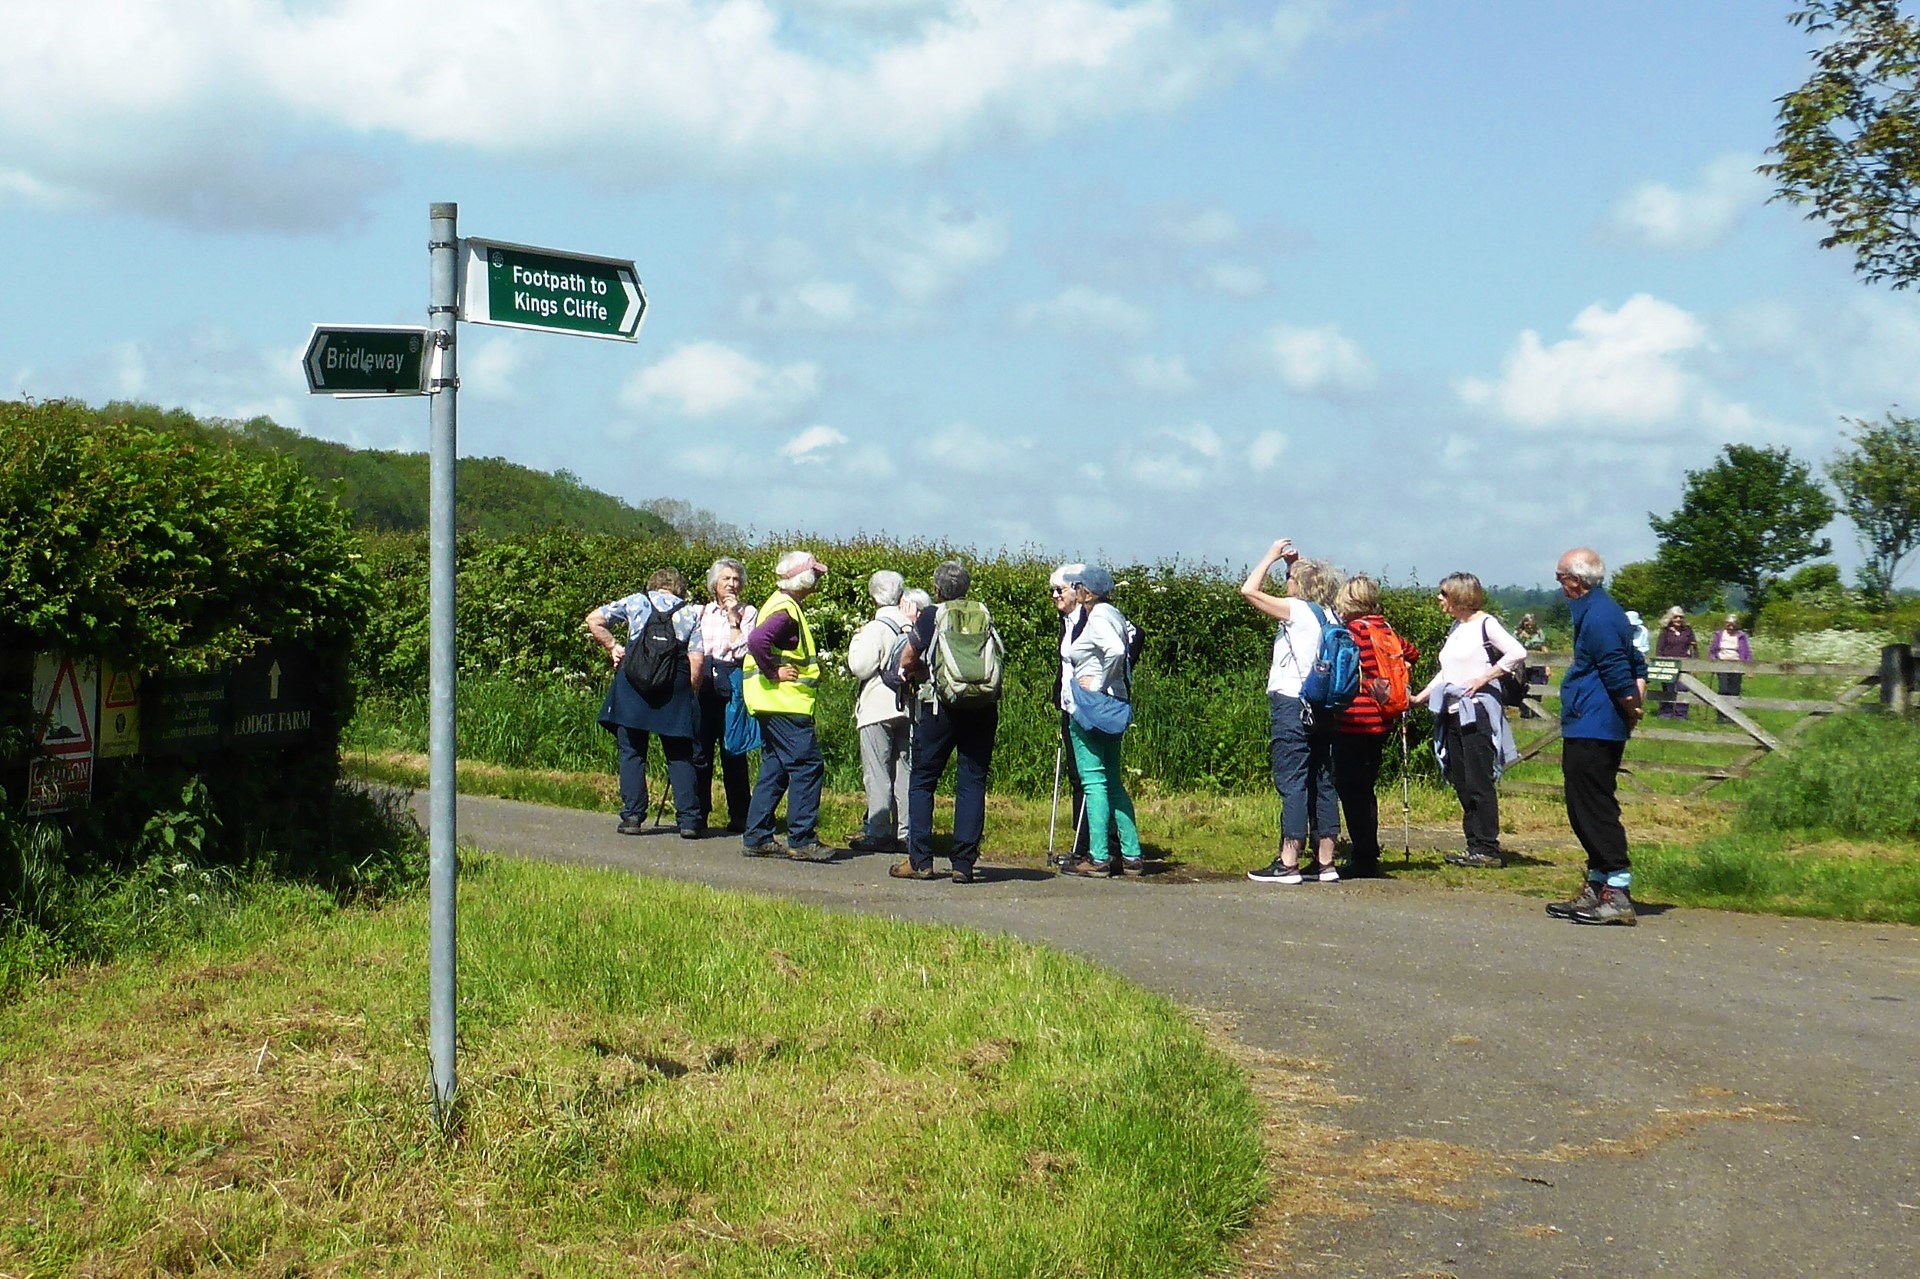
1079, 848
1727, 684
631, 746
1302, 773
1470, 751
1590, 769
714, 694
790, 765
938, 734
1356, 771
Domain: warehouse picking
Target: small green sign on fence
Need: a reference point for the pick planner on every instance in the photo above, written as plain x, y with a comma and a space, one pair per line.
1663, 668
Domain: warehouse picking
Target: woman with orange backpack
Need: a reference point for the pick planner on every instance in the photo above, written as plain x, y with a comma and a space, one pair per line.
1360, 735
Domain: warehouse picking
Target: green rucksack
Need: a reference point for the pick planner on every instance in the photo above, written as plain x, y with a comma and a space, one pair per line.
968, 659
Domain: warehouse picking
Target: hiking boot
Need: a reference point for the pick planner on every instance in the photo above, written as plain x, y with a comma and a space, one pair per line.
1586, 899
1477, 861
1327, 874
966, 875
1363, 870
862, 844
903, 869
766, 848
1614, 907
631, 826
1135, 866
1091, 869
811, 851
693, 832
1277, 873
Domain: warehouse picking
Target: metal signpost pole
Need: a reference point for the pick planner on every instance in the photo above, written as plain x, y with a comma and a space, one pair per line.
444, 246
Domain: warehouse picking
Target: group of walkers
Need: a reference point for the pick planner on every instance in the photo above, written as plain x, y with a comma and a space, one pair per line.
717, 681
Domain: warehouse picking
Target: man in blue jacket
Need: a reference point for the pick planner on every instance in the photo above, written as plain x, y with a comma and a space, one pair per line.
1602, 696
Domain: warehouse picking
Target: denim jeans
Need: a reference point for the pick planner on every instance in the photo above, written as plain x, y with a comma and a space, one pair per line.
936, 735
790, 765
1302, 773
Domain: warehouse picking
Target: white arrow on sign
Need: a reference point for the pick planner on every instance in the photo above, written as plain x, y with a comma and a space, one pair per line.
314, 375
630, 321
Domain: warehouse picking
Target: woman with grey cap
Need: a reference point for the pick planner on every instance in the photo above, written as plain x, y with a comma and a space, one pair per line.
880, 715
1098, 658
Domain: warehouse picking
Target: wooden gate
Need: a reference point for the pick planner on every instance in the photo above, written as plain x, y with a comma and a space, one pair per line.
1735, 731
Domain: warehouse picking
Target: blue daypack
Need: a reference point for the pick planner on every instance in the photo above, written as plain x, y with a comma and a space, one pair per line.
1333, 681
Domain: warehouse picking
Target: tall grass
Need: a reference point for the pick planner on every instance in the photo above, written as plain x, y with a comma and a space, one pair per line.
1856, 775
656, 1079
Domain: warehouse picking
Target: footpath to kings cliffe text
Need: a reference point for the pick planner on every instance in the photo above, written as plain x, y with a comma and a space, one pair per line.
573, 307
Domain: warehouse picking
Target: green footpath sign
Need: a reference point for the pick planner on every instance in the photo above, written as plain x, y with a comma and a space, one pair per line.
367, 359
520, 287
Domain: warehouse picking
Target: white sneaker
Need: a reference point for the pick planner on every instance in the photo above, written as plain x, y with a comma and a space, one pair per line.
1328, 875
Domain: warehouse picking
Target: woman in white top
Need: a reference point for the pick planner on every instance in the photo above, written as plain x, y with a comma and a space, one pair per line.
1471, 736
1302, 758
1097, 662
880, 716
724, 625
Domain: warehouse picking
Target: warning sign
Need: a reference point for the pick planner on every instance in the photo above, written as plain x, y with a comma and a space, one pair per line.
65, 693
119, 727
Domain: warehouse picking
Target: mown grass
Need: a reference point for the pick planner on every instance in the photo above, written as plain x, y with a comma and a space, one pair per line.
656, 1078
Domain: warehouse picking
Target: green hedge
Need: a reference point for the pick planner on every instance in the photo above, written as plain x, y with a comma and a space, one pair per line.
520, 602
178, 555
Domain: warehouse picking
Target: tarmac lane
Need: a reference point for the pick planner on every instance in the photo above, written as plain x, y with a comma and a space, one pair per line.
1493, 1093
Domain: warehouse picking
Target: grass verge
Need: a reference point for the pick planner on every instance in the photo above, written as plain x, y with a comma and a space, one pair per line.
1686, 852
656, 1078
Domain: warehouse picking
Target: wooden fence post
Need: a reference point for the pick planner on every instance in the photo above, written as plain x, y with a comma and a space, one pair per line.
1896, 678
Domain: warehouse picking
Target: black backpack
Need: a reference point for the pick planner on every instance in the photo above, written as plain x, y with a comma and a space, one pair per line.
655, 656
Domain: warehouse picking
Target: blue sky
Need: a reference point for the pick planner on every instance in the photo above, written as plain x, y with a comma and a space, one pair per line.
1423, 286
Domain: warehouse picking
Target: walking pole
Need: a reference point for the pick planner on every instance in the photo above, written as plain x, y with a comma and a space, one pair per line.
1406, 800
1053, 816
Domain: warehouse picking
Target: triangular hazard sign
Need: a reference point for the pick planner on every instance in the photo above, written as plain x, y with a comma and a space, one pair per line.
65, 727
119, 691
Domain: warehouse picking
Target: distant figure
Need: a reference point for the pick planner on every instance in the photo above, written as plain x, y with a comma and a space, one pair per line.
880, 715
1534, 640
1471, 739
1676, 640
954, 647
1730, 644
1602, 696
1360, 735
670, 713
724, 626
1301, 757
1641, 639
780, 679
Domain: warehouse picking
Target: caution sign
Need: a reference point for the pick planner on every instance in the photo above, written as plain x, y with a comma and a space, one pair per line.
65, 693
119, 727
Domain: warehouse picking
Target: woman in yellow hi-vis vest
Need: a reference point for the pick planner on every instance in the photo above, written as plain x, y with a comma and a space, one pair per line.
779, 680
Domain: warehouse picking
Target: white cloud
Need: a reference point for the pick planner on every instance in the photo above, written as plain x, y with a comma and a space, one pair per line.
1177, 460
925, 254
1079, 309
491, 368
1208, 228
967, 450
127, 101
1319, 361
705, 379
1235, 279
1656, 216
1163, 375
814, 445
1626, 367
1266, 451
808, 304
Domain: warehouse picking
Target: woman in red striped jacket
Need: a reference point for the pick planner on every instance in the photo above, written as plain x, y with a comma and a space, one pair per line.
1361, 734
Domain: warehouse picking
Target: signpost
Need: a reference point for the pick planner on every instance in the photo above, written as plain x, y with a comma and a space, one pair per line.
367, 359
519, 287
483, 282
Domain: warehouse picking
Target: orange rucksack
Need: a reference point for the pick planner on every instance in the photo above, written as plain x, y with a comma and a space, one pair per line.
1389, 687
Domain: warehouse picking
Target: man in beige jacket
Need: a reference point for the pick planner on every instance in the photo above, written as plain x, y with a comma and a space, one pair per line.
881, 715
